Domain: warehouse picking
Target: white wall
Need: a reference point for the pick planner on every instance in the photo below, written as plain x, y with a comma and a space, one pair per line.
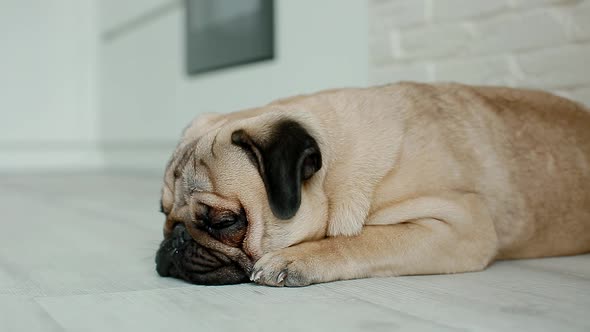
48, 86
146, 98
89, 83
533, 43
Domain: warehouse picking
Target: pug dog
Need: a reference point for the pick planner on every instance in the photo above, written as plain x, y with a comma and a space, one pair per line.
401, 179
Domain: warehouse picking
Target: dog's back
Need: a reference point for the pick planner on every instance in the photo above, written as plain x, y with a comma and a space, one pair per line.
545, 142
526, 152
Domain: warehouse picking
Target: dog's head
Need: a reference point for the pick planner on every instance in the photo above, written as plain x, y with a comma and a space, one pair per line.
238, 186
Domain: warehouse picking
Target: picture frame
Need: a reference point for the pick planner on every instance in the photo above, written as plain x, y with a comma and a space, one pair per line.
228, 33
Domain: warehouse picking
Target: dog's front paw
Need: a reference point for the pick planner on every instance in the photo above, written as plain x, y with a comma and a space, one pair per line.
285, 267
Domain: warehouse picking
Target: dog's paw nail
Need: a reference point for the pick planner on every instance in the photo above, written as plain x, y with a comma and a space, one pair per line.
281, 276
256, 276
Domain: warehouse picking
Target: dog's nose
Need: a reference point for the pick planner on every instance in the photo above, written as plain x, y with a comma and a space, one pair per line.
180, 236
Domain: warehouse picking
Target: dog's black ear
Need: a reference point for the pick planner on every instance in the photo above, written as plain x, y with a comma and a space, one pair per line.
285, 158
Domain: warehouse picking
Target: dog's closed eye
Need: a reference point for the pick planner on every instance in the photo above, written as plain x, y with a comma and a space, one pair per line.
224, 221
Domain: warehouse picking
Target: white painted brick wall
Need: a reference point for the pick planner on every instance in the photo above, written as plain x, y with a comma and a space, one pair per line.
459, 9
531, 43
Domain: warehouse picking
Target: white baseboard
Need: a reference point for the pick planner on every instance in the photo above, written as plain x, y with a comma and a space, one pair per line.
143, 157
150, 157
14, 159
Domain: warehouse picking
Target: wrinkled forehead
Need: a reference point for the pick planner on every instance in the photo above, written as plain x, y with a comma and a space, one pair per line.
187, 170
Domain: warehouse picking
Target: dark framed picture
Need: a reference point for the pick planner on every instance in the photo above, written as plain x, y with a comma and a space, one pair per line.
227, 33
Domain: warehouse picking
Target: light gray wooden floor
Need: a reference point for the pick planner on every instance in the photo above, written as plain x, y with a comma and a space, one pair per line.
77, 254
